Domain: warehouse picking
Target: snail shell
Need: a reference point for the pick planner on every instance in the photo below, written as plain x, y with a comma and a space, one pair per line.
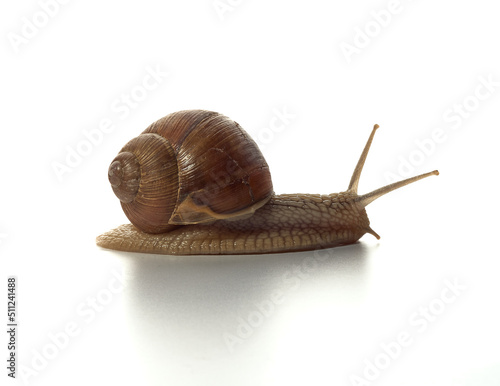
195, 183
190, 167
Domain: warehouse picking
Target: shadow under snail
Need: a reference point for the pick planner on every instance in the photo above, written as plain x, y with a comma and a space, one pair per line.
195, 183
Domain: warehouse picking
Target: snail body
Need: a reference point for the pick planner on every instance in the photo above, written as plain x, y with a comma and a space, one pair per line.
194, 183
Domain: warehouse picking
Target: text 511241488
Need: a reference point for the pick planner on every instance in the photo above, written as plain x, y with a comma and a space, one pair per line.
11, 326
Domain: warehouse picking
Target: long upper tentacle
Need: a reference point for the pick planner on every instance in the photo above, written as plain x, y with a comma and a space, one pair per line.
353, 185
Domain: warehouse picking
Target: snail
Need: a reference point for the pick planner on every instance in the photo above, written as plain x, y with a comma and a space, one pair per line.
195, 183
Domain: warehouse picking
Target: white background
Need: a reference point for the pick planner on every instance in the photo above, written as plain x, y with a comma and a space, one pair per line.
315, 321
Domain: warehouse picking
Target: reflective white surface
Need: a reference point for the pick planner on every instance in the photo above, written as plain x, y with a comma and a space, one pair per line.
262, 319
418, 307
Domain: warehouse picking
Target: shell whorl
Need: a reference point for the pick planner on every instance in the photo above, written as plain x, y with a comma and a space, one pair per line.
144, 177
124, 175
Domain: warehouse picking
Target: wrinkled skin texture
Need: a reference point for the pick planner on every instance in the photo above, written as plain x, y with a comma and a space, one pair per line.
288, 222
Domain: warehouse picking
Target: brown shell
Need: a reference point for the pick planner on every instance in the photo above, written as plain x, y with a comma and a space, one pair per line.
190, 167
